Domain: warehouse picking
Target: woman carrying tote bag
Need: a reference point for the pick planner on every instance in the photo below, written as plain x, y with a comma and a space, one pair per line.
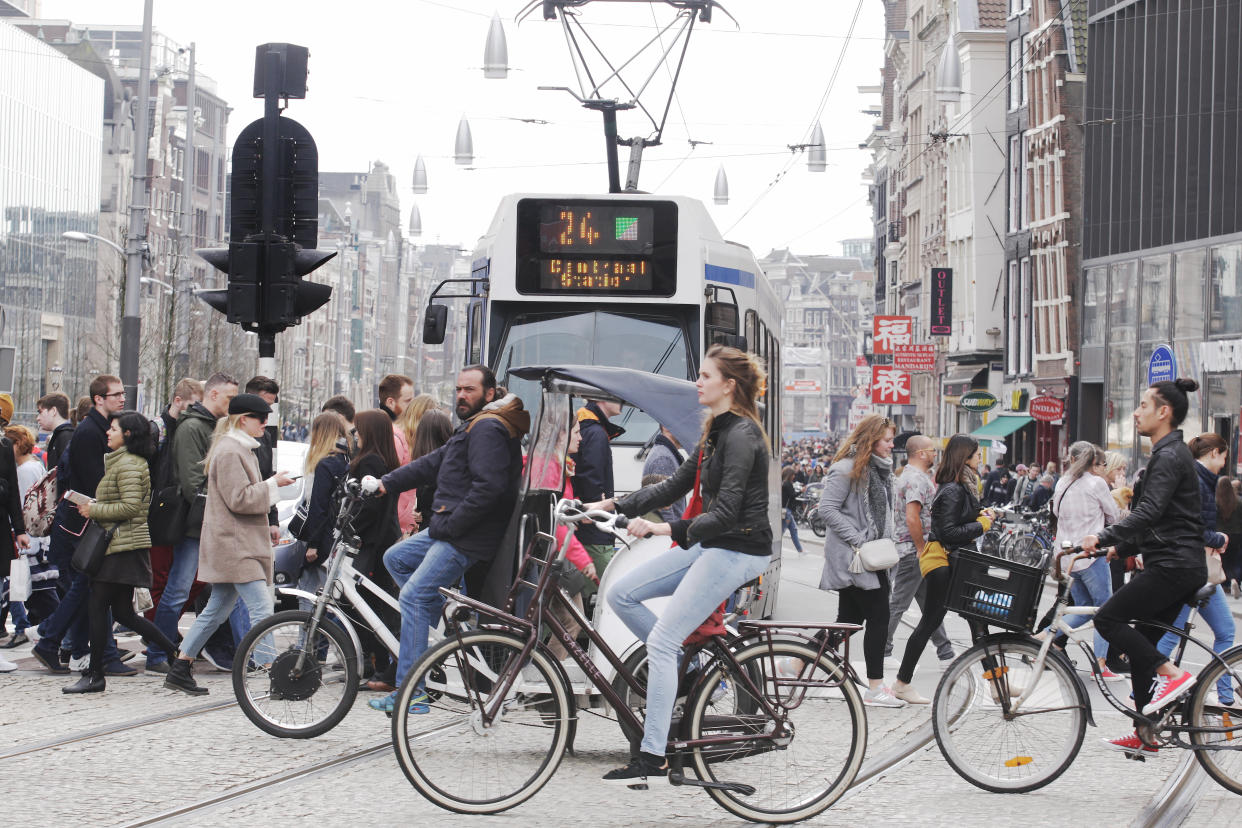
121, 503
856, 506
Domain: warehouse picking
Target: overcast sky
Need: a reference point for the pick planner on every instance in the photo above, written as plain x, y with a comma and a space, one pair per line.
390, 80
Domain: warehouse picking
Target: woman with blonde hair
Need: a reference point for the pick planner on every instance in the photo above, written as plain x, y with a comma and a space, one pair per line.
719, 550
235, 555
407, 424
856, 506
327, 459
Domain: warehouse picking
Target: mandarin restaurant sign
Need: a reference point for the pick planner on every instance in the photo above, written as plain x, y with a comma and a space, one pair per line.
920, 357
941, 301
890, 331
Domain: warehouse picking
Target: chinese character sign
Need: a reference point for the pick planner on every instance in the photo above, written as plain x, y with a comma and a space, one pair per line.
941, 301
889, 331
889, 386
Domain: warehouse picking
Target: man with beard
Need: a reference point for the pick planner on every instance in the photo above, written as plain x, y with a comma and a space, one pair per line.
475, 475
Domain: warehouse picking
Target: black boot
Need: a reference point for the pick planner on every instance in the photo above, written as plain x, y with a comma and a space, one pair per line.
91, 682
179, 678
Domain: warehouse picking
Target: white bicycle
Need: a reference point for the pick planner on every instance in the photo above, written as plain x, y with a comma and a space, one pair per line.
310, 684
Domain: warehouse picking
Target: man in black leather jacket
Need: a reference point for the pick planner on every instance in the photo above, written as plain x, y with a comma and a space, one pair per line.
1166, 526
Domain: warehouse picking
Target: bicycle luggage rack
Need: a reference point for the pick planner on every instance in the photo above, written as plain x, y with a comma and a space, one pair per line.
826, 638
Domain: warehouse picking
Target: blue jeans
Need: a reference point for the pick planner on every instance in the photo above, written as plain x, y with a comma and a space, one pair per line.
1220, 619
698, 578
420, 566
788, 522
1091, 587
256, 594
176, 592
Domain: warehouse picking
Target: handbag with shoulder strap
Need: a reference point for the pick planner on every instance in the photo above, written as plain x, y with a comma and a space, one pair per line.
874, 556
88, 555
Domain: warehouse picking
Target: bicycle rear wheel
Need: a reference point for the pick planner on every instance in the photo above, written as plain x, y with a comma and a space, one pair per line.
1027, 550
1025, 749
1223, 759
817, 524
450, 755
802, 774
288, 699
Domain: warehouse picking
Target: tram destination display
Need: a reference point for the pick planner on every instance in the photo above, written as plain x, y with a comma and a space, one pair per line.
597, 247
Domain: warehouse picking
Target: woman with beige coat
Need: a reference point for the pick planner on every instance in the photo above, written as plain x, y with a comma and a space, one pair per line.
236, 551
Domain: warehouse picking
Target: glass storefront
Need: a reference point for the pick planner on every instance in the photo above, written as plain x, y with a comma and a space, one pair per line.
1183, 298
51, 138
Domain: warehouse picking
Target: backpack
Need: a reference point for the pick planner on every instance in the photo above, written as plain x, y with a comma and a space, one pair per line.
39, 505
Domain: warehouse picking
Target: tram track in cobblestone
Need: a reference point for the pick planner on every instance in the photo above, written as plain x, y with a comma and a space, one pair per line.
871, 771
119, 727
1174, 802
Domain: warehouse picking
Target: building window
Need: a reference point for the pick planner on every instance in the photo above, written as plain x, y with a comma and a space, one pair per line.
1225, 291
1015, 74
1025, 291
1188, 298
1015, 183
1154, 302
1014, 321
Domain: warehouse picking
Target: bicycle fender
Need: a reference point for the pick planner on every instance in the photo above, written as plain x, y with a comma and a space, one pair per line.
337, 616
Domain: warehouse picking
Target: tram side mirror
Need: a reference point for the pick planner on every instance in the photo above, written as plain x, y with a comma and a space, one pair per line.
721, 316
435, 322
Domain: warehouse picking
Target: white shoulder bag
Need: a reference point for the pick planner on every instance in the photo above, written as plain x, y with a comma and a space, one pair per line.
873, 556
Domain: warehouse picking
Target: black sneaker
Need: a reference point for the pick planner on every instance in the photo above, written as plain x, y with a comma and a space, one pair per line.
634, 775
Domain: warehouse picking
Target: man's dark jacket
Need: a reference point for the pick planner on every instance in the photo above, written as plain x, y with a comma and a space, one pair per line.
82, 467
476, 475
57, 442
1165, 523
593, 467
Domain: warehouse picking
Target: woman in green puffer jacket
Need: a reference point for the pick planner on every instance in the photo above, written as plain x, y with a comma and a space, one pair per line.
121, 501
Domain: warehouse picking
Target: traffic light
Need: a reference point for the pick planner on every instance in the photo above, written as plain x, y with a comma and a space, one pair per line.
274, 210
266, 291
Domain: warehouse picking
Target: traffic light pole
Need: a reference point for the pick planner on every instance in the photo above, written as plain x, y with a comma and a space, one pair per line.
131, 322
272, 78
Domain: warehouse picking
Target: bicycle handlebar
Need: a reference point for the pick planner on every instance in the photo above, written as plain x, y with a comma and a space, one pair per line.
571, 511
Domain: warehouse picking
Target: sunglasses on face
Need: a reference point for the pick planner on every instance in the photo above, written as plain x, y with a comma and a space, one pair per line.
260, 417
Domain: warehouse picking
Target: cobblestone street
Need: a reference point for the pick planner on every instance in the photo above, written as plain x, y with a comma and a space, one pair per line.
127, 763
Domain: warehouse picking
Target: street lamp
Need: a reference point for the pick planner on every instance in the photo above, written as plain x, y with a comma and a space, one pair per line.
151, 280
78, 236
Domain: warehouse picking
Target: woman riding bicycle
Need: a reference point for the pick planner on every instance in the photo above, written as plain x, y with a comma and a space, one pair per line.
725, 546
1165, 525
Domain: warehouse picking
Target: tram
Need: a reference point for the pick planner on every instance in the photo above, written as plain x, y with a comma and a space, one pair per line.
621, 279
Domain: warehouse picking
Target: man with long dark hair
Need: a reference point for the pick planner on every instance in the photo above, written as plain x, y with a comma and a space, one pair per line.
1165, 525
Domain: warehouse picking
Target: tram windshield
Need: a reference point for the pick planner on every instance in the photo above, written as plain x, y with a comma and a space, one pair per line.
595, 338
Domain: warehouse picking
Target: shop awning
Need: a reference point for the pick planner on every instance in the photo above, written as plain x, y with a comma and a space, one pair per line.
1001, 427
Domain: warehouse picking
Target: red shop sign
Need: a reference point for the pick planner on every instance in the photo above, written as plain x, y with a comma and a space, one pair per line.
1047, 409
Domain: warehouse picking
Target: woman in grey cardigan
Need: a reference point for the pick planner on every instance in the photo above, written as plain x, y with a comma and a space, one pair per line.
856, 506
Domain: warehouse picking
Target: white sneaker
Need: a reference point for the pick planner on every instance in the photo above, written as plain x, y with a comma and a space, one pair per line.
77, 665
574, 673
881, 697
891, 662
6, 666
945, 662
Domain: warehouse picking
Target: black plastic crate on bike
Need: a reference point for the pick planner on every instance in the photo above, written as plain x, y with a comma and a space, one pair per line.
993, 590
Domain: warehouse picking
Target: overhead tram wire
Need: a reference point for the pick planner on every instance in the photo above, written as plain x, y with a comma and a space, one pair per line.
823, 101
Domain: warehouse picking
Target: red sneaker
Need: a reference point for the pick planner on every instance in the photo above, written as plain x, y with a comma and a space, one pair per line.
1132, 746
1109, 675
1168, 690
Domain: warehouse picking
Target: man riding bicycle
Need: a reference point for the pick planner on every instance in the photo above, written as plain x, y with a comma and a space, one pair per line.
1164, 525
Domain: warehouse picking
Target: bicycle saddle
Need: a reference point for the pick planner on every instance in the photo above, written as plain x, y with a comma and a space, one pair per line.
1203, 595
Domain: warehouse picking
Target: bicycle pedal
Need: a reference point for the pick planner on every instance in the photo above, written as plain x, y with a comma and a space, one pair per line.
741, 788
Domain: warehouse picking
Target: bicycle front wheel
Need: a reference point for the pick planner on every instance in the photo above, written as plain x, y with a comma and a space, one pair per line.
1221, 753
1010, 752
824, 731
817, 524
450, 754
291, 684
